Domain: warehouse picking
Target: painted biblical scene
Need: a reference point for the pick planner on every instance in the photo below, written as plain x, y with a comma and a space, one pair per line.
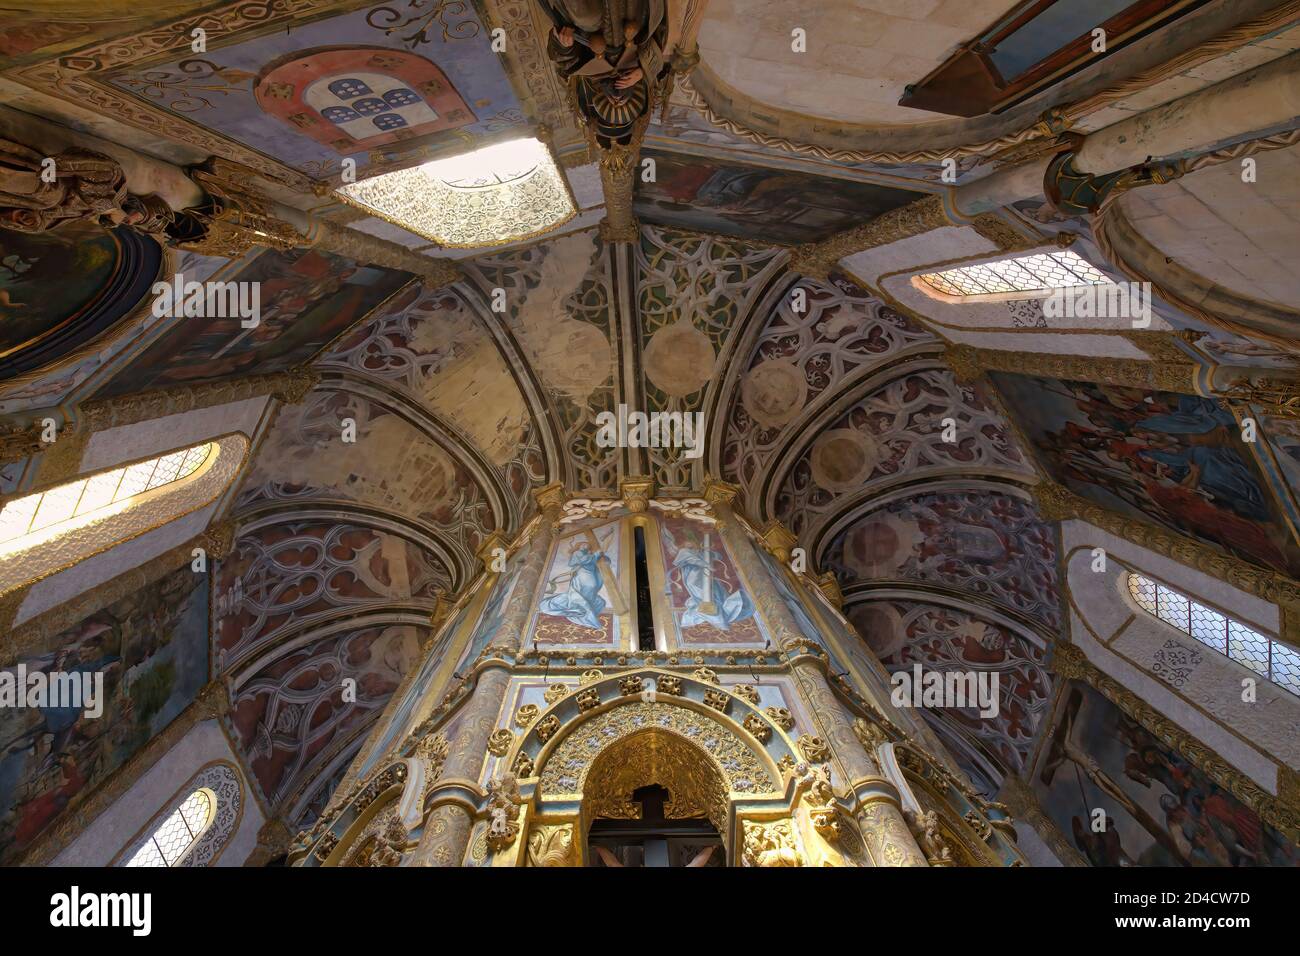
757, 202
62, 289
708, 602
403, 718
1176, 460
363, 84
584, 599
152, 649
489, 623
1282, 437
306, 300
1160, 809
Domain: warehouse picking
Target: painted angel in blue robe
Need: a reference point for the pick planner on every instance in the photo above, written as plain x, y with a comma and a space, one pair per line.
709, 600
582, 602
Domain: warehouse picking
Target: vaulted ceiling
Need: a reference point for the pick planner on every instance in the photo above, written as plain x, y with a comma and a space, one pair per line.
437, 410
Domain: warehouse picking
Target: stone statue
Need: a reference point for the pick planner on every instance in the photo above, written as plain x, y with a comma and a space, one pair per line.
612, 51
38, 192
503, 811
771, 844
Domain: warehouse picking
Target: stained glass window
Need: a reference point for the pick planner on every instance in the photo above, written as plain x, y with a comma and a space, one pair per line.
47, 513
1268, 658
1037, 273
174, 836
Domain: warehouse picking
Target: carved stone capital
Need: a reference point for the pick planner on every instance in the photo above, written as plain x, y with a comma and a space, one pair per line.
550, 500
493, 545
719, 492
830, 586
636, 493
778, 540
273, 840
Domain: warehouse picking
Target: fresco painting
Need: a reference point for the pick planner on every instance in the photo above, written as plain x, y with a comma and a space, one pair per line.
709, 604
347, 85
583, 599
904, 633
401, 721
757, 202
1161, 810
489, 622
307, 299
978, 543
152, 648
1176, 460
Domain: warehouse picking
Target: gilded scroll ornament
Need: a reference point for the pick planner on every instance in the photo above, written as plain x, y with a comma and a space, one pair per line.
556, 692
526, 714
814, 749
746, 692
499, 742
781, 717
551, 845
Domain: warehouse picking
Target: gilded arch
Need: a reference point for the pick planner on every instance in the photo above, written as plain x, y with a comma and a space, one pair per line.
717, 754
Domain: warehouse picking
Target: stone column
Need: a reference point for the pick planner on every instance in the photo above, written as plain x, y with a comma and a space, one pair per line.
875, 801
1256, 101
447, 827
617, 176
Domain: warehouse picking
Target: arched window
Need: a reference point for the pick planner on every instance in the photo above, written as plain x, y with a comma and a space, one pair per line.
34, 519
168, 844
107, 508
1269, 658
194, 827
1017, 277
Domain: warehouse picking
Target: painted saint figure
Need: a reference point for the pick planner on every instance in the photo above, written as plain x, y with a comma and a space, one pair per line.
710, 600
581, 603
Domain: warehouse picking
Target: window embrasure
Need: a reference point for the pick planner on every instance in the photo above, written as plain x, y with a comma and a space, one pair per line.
1268, 658
37, 518
1024, 277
